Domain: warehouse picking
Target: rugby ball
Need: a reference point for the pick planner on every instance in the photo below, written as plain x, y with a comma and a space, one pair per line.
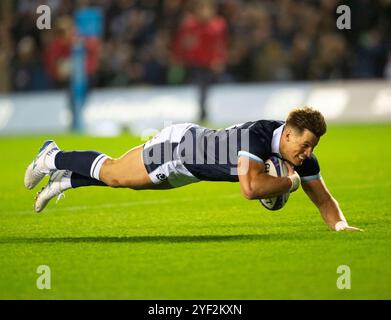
276, 168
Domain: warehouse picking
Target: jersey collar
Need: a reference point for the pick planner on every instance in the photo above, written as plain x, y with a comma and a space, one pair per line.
276, 140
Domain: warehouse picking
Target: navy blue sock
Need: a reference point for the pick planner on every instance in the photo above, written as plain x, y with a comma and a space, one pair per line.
78, 180
85, 163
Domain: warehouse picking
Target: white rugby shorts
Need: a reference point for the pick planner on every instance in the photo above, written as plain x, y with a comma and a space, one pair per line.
162, 160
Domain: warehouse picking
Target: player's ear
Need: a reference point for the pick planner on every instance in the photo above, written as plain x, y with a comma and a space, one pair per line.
287, 133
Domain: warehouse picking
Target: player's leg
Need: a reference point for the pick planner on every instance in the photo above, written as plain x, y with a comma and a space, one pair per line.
74, 169
128, 171
154, 165
50, 159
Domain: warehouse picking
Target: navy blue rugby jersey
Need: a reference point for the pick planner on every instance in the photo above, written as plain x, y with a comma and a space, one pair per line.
212, 155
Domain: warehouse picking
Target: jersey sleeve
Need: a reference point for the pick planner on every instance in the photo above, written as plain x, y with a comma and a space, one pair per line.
309, 170
254, 146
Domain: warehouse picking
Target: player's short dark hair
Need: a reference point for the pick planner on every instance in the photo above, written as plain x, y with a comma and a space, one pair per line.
307, 118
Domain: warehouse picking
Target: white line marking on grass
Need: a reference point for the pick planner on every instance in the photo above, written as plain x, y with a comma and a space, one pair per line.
125, 204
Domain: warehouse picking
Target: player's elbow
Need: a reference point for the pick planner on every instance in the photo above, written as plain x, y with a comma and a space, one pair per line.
246, 190
249, 194
253, 194
253, 191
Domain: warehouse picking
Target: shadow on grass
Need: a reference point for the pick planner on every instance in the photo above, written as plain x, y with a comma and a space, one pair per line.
145, 239
288, 236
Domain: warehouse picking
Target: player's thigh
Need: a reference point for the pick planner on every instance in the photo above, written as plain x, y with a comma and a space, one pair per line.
127, 171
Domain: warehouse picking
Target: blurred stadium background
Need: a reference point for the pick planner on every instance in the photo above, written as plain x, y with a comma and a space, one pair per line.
125, 68
147, 62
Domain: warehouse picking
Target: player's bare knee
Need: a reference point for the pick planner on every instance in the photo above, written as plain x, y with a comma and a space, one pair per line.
118, 181
115, 181
108, 174
112, 183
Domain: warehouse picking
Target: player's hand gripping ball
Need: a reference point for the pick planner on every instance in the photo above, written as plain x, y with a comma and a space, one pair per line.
275, 167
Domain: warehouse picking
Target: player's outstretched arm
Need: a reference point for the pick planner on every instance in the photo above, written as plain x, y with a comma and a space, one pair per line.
327, 205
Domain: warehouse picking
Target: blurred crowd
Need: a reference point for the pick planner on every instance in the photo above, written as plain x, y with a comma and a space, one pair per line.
156, 42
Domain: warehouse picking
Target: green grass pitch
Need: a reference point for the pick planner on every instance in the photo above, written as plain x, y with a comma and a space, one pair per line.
203, 241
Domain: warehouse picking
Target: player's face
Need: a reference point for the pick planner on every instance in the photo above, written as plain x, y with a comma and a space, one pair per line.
297, 147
